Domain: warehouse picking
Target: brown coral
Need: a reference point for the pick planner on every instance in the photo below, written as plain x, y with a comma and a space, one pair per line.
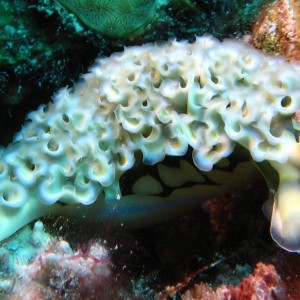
277, 30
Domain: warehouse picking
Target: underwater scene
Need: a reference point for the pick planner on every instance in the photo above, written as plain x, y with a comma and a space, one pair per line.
149, 149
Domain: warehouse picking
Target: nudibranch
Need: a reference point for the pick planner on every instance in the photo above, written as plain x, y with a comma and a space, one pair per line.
116, 143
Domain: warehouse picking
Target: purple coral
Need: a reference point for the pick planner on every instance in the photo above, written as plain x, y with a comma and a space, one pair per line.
58, 273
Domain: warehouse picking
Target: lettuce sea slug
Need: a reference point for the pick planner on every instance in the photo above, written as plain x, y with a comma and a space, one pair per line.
150, 132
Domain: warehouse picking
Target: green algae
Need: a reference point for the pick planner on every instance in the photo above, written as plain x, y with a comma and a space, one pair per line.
115, 18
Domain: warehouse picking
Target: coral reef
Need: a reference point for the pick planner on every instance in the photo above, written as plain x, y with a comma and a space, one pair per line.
278, 280
59, 273
17, 252
265, 283
34, 39
205, 252
277, 30
35, 264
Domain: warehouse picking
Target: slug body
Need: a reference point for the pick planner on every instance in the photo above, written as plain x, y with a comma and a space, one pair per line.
141, 107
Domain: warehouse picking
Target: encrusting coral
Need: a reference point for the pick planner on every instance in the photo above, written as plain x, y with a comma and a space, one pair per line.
265, 283
58, 270
158, 101
17, 252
